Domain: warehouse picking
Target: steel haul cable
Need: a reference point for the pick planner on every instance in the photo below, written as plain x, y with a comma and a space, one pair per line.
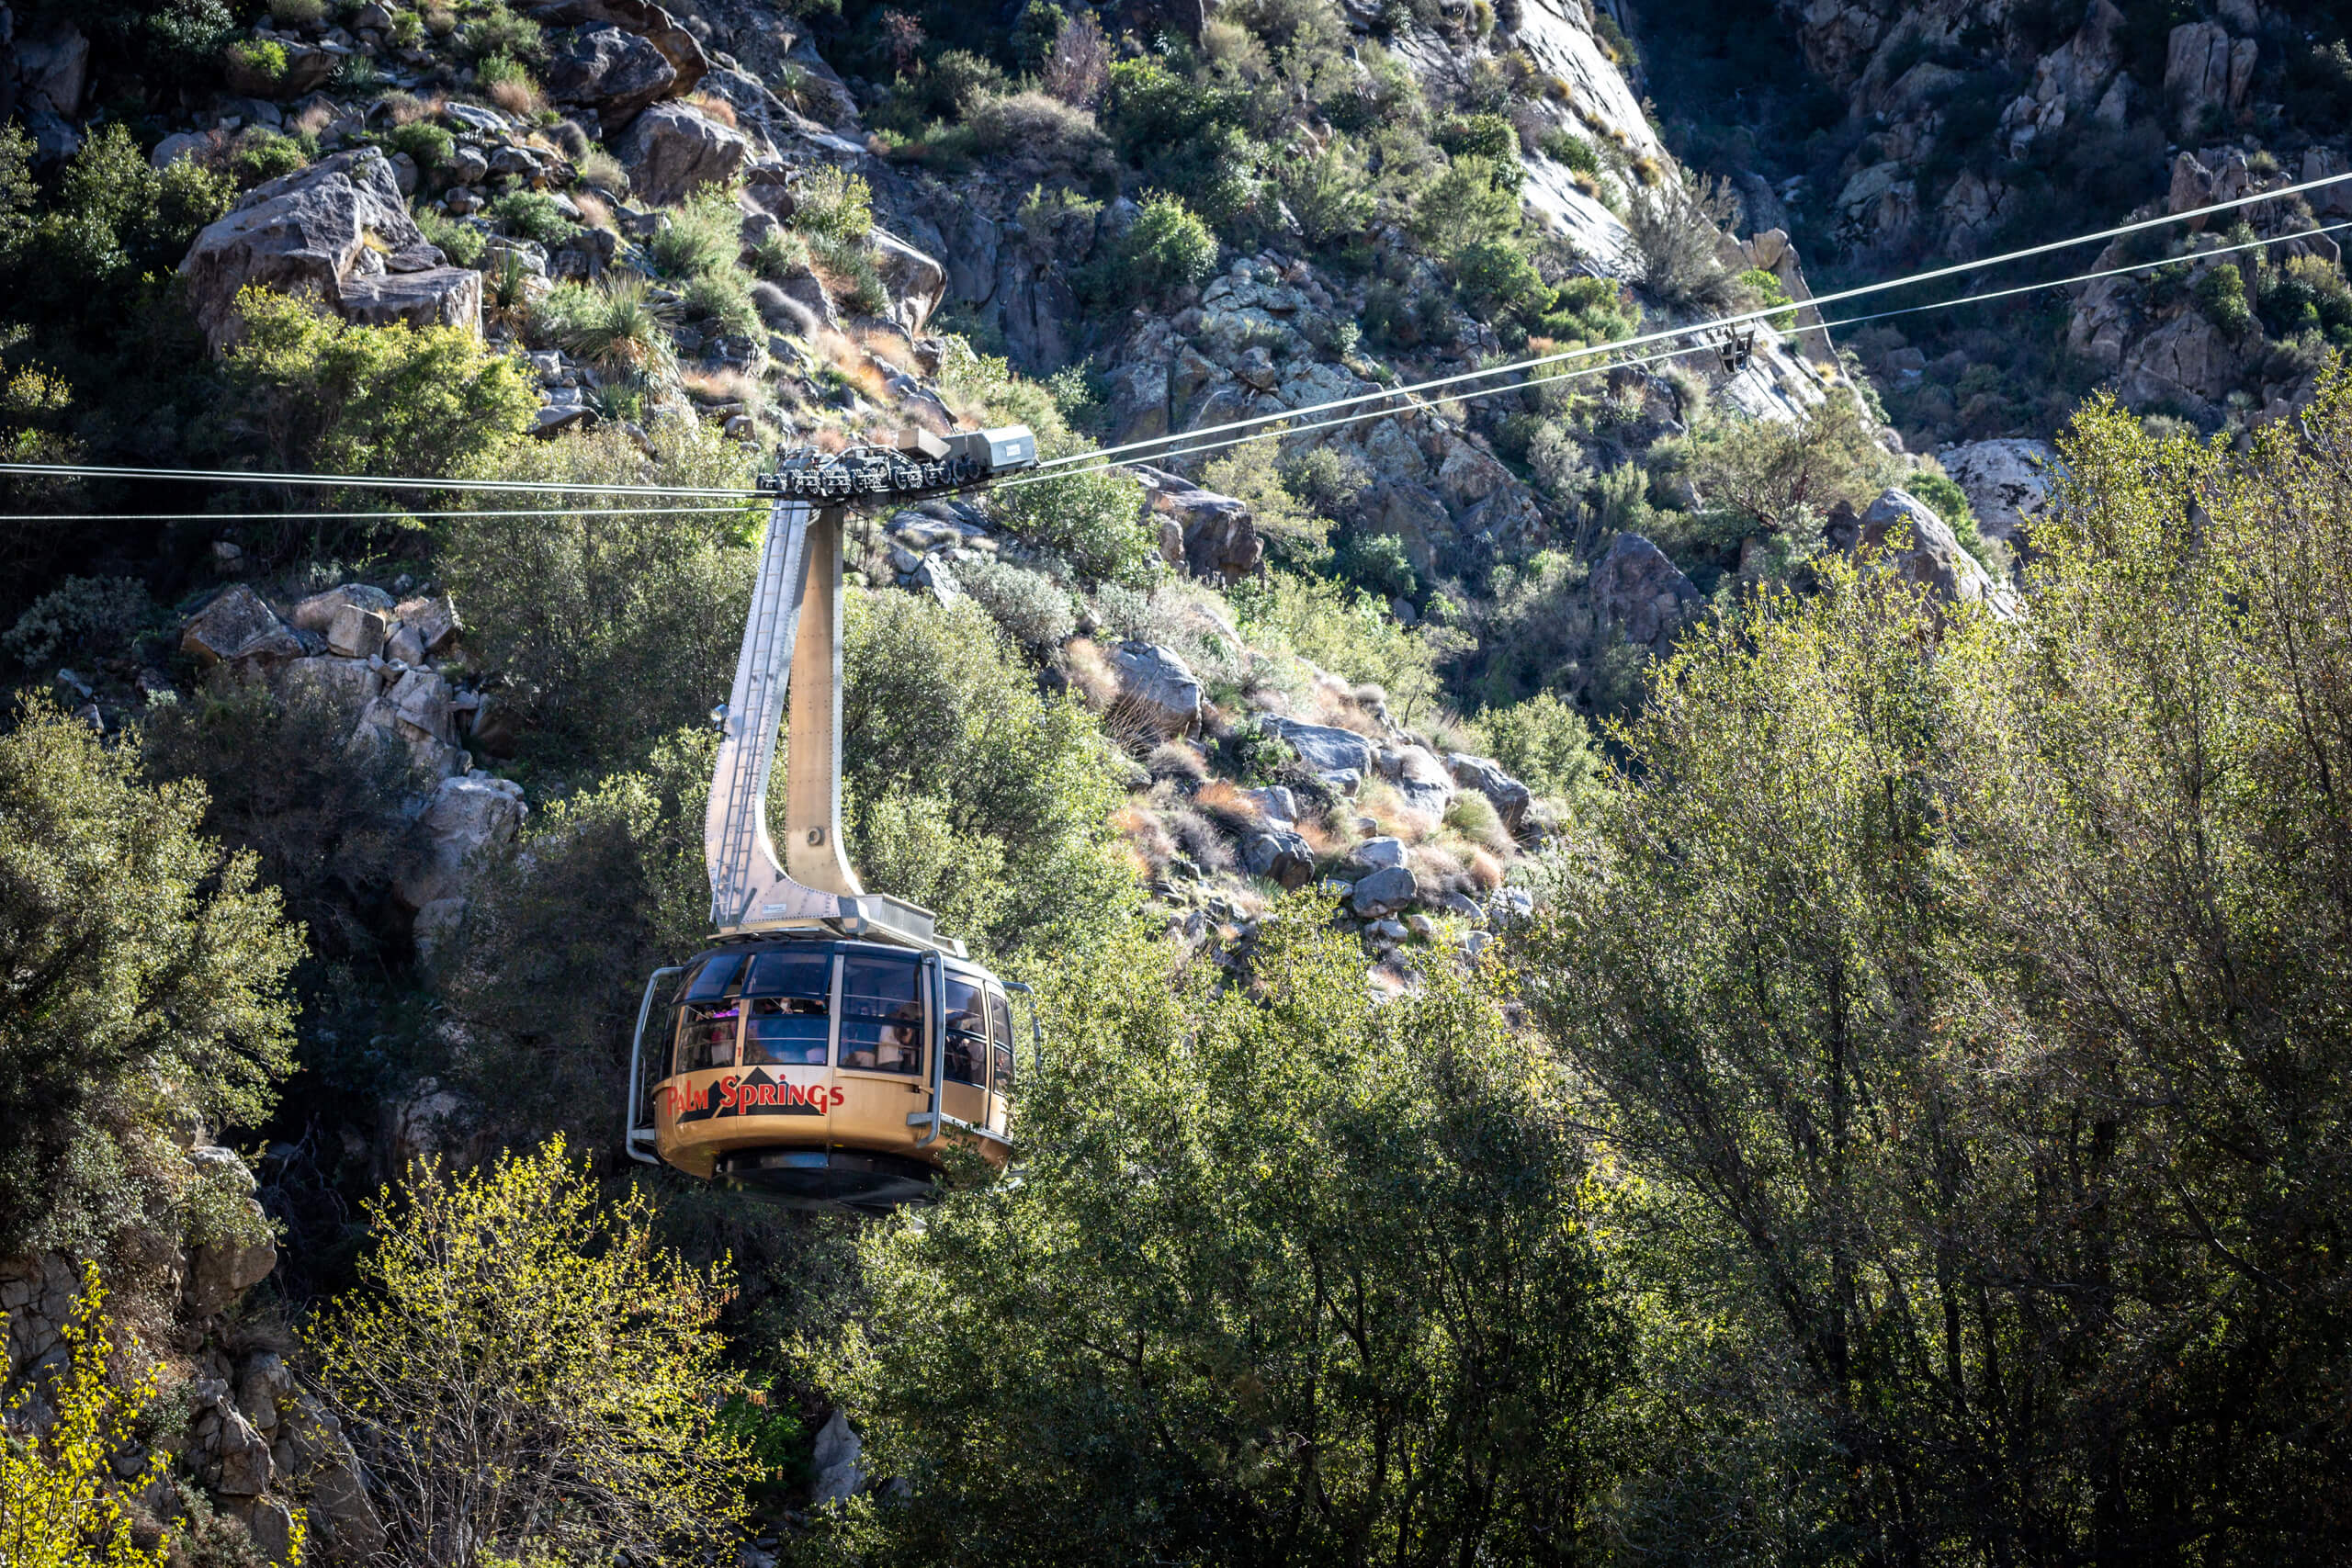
1094, 458
1285, 431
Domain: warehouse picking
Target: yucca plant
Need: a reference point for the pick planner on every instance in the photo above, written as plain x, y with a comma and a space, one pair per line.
623, 330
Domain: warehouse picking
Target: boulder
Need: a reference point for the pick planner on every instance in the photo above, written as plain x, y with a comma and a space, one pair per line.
1642, 595
2188, 361
2007, 483
357, 633
237, 626
1421, 778
1922, 548
434, 926
463, 818
427, 627
1281, 854
438, 297
1510, 797
839, 1476
177, 146
615, 73
1378, 854
1277, 802
1157, 682
318, 611
2205, 69
672, 150
218, 1274
1216, 534
337, 1498
1323, 748
650, 21
1384, 892
346, 684
420, 700
245, 1470
53, 70
306, 231
916, 282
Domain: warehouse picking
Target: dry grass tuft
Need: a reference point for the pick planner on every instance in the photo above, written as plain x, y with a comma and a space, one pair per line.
712, 107
518, 96
1223, 794
592, 210
1485, 870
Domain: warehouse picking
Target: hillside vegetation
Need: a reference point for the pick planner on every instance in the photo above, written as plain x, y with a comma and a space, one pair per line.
1633, 970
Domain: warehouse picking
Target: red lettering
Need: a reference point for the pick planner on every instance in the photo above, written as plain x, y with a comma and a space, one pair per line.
728, 1097
838, 1097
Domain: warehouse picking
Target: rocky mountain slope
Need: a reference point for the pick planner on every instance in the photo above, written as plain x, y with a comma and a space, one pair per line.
1360, 657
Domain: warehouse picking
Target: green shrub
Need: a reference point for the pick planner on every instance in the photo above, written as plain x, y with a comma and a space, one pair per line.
1497, 280
1342, 630
1400, 1147
619, 328
422, 140
1094, 518
1474, 201
498, 33
261, 154
1563, 146
1327, 192
778, 254
1764, 291
2220, 295
600, 674
286, 11
460, 241
834, 203
1480, 135
408, 29
533, 215
265, 58
81, 618
722, 298
1590, 310
1545, 744
703, 233
344, 398
944, 734
849, 273
175, 1002
1028, 607
1166, 249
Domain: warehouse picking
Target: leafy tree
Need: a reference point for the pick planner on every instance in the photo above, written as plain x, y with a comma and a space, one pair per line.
1091, 515
1474, 201
60, 1500
1167, 248
1254, 473
1546, 745
613, 628
1967, 995
113, 221
968, 791
328, 394
526, 1375
142, 970
1785, 478
1288, 1276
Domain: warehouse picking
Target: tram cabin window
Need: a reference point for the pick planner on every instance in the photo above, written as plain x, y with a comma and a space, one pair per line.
707, 1016
968, 1033
1001, 1030
789, 999
882, 1012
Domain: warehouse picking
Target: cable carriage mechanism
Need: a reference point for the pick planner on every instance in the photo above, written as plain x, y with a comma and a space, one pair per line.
829, 1044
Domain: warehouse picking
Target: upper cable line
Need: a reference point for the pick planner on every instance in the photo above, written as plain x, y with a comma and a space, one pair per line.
1192, 442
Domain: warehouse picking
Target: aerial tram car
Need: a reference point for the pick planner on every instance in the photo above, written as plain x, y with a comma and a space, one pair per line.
830, 1045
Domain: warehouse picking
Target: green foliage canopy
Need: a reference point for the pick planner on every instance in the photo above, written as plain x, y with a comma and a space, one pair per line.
142, 969
1288, 1276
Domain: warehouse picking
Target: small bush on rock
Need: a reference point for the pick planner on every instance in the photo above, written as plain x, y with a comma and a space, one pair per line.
1028, 607
360, 399
1167, 248
835, 203
91, 617
1093, 518
1678, 231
